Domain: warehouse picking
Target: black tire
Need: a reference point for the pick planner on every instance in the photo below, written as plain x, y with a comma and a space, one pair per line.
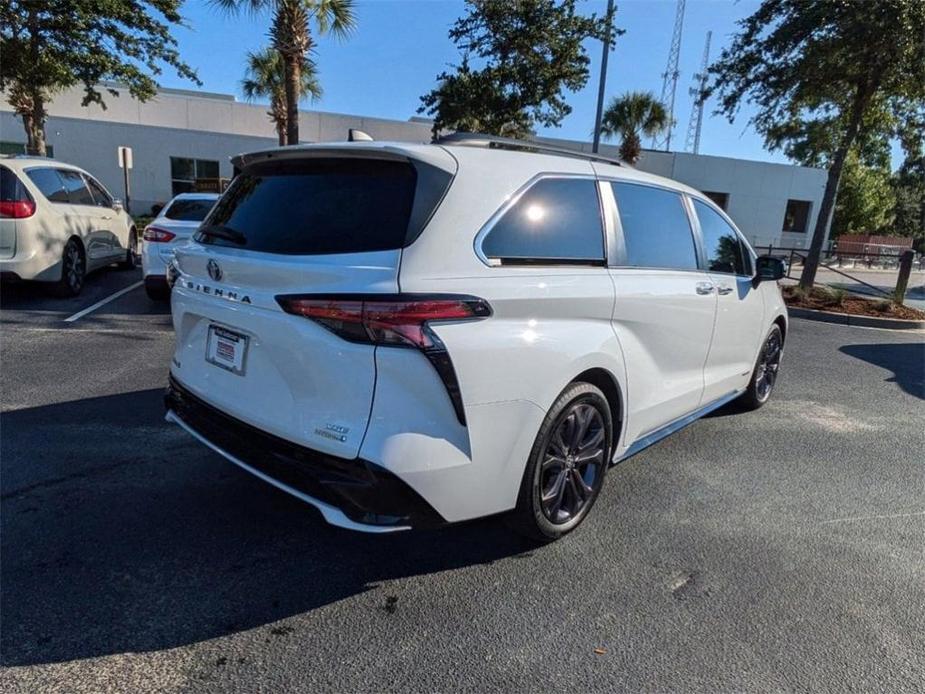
764, 376
131, 252
73, 270
555, 466
157, 291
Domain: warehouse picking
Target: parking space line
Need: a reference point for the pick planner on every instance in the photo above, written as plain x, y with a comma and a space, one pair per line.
102, 302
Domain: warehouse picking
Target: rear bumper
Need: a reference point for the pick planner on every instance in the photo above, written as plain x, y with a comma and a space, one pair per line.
354, 494
32, 266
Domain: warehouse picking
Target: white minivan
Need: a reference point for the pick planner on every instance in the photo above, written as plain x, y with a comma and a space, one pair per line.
58, 223
409, 335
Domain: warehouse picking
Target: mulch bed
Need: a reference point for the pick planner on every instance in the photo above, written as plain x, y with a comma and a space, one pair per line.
823, 300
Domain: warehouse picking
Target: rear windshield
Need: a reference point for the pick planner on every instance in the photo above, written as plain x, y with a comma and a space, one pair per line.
317, 206
189, 210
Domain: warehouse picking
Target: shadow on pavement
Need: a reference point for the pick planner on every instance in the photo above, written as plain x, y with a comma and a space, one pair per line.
120, 534
905, 360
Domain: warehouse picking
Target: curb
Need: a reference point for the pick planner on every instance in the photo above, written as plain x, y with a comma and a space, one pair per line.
857, 321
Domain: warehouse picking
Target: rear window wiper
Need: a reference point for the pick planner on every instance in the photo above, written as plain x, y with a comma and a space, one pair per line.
220, 231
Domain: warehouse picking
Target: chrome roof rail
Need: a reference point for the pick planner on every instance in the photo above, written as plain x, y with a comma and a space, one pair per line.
497, 142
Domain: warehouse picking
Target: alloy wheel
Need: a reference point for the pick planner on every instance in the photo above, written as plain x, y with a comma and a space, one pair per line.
768, 366
73, 267
572, 463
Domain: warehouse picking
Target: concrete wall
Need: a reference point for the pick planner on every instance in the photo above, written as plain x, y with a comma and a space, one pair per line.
214, 126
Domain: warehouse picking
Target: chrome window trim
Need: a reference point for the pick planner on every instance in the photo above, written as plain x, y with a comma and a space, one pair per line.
515, 198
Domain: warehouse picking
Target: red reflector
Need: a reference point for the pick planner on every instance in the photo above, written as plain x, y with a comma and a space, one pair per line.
390, 322
17, 209
158, 235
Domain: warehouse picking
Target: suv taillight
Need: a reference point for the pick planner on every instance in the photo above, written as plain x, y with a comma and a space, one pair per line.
400, 320
17, 209
158, 235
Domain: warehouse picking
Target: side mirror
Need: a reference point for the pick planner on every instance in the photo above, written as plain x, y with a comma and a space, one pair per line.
117, 205
769, 268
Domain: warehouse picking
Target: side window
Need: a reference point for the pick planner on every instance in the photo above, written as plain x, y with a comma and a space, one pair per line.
49, 183
77, 191
721, 245
557, 220
102, 198
656, 230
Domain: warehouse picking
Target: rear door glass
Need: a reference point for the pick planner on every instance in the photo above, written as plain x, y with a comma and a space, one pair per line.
49, 183
189, 210
656, 230
77, 191
317, 206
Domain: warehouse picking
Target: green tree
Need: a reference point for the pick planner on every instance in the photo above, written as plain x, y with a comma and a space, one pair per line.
829, 65
47, 46
518, 59
865, 200
909, 190
632, 116
290, 35
266, 79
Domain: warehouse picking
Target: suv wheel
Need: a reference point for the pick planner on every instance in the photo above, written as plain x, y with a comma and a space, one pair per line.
131, 252
73, 270
567, 464
765, 374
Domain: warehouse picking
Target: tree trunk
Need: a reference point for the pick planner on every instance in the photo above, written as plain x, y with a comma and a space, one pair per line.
33, 120
293, 65
811, 265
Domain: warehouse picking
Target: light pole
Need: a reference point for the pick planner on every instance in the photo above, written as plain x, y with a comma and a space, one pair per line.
600, 89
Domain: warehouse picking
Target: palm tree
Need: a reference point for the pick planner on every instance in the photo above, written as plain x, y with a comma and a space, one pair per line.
631, 116
266, 79
290, 35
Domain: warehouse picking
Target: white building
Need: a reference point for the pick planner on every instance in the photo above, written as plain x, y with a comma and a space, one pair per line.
180, 136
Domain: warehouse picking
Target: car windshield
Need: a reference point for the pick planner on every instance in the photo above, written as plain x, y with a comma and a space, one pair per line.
192, 210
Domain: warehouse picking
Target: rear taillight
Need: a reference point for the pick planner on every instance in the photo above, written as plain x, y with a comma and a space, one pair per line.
158, 235
17, 209
400, 320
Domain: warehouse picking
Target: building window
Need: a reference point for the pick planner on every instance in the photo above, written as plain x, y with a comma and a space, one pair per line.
20, 148
185, 172
796, 218
721, 199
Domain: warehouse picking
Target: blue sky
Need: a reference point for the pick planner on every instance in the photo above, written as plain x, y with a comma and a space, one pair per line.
401, 45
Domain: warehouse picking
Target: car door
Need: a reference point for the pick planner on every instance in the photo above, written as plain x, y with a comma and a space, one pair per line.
114, 223
664, 308
739, 326
95, 222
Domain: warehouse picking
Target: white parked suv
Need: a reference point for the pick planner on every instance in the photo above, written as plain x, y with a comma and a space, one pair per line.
57, 223
174, 225
406, 335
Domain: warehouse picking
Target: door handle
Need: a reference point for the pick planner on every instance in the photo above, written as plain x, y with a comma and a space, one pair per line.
705, 288
724, 290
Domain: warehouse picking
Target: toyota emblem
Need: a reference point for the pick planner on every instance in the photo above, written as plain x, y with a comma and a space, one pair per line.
215, 270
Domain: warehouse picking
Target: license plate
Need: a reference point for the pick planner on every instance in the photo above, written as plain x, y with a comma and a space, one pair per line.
226, 348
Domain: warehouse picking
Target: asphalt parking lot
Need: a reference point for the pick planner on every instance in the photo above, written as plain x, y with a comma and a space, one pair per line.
774, 550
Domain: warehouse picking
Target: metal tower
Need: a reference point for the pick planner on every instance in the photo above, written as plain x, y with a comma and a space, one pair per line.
699, 92
670, 76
